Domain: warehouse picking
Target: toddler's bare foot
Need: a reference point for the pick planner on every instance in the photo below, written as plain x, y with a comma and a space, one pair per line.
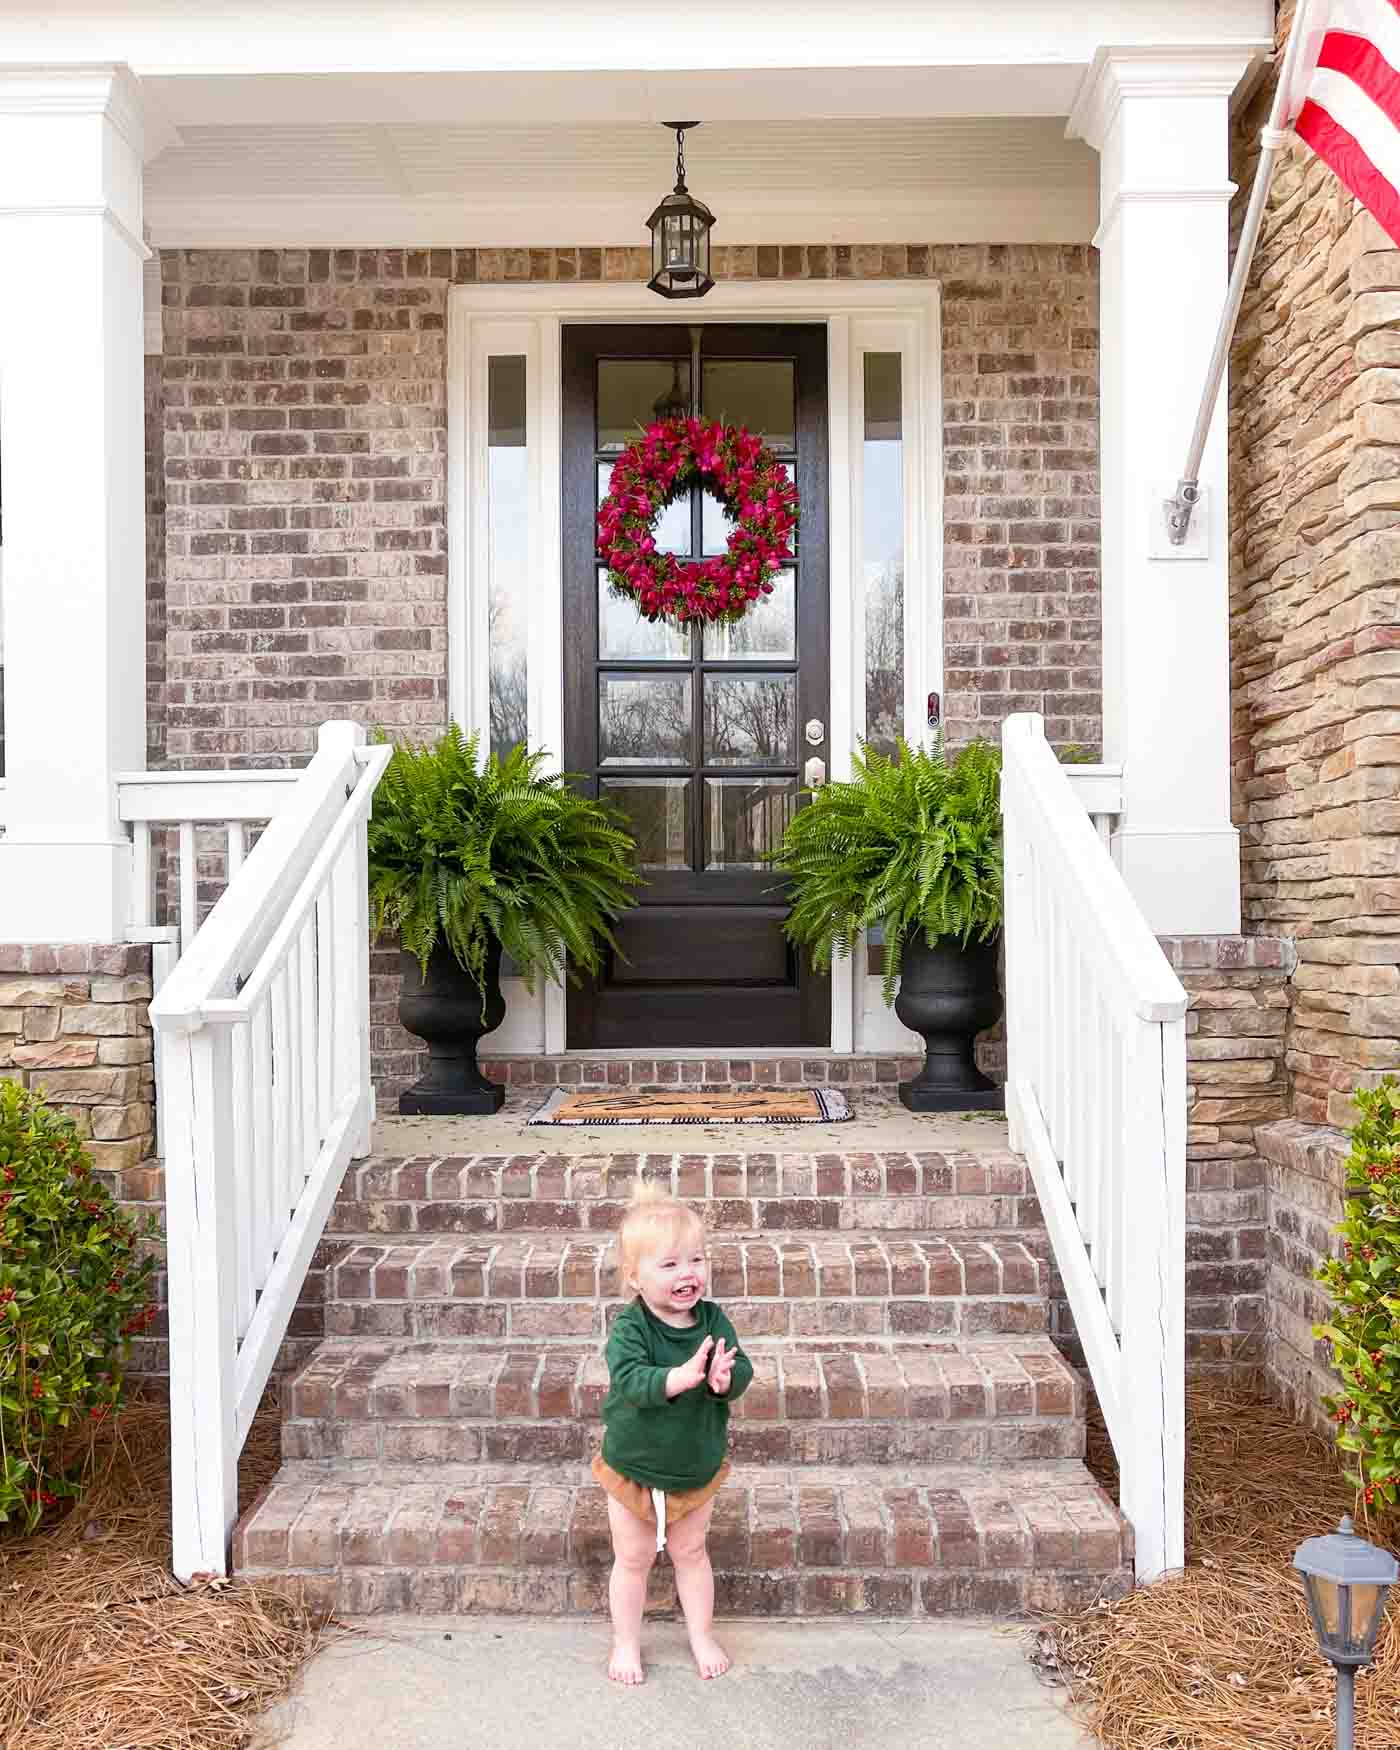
625, 1664
711, 1660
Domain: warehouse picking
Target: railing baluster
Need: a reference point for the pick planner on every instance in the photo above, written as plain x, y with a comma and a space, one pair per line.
189, 886
242, 1168
142, 878
308, 1034
327, 1017
237, 847
1118, 1212
283, 1105
265, 1164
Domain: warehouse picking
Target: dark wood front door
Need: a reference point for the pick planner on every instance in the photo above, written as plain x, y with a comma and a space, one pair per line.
701, 737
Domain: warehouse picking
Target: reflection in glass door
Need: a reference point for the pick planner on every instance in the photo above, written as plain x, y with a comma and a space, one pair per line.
697, 735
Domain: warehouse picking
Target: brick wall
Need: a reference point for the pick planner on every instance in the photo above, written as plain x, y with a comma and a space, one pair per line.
304, 430
305, 435
1239, 995
155, 563
1315, 601
1306, 1182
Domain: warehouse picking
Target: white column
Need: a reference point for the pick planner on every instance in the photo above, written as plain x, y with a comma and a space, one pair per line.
72, 439
1159, 119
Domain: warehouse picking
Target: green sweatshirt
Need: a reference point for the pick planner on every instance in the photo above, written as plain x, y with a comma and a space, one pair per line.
666, 1443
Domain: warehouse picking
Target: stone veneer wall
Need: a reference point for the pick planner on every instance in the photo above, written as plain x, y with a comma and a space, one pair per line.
74, 1025
1315, 599
304, 428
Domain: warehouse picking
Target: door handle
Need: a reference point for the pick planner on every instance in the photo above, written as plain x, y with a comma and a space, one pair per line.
814, 773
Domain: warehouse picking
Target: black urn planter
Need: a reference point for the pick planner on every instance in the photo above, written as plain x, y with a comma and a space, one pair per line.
447, 1009
950, 995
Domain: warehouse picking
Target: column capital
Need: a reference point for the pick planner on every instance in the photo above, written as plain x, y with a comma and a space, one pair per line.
103, 88
72, 141
1166, 70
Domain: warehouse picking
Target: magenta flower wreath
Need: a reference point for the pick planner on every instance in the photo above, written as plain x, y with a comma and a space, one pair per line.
749, 481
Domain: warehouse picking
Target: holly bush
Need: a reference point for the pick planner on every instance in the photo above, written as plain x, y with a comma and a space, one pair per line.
1364, 1284
74, 1289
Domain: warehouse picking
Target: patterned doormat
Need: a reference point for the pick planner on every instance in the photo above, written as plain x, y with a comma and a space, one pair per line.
681, 1106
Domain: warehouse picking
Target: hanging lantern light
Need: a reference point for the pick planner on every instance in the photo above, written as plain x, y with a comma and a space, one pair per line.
680, 235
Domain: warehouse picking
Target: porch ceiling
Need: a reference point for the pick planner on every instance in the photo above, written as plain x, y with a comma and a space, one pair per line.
957, 178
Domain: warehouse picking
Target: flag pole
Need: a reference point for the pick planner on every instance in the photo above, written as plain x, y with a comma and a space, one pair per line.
1272, 139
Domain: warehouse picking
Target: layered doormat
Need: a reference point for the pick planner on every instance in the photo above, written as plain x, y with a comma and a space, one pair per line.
691, 1106
1221, 1656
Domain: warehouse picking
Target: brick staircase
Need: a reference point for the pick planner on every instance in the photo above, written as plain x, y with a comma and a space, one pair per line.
911, 1445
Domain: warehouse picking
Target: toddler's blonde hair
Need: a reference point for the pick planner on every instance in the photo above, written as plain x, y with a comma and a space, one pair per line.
653, 1220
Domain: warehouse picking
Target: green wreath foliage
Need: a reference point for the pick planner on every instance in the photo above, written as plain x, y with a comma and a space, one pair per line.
74, 1290
912, 843
466, 854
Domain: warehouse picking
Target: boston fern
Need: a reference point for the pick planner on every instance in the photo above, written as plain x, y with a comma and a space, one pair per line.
913, 843
466, 855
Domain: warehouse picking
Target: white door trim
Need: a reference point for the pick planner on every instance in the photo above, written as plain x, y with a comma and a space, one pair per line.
528, 318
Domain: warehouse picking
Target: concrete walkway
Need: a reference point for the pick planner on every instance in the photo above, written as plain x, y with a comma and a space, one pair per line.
512, 1684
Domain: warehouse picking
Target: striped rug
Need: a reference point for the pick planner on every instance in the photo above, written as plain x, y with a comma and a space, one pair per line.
686, 1106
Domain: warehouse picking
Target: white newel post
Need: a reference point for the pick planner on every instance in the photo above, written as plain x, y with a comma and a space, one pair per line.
1159, 120
72, 436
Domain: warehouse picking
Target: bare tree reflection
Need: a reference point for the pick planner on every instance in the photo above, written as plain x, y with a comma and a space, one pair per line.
509, 691
884, 654
749, 720
644, 720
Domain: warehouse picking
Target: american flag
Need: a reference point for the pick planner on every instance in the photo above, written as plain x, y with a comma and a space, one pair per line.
1345, 97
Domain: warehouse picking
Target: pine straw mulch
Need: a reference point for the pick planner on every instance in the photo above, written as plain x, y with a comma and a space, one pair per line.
102, 1649
1222, 1655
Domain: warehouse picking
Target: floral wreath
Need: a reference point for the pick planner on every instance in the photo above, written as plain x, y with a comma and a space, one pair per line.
652, 473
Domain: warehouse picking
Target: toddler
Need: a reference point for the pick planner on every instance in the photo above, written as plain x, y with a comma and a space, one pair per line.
674, 1366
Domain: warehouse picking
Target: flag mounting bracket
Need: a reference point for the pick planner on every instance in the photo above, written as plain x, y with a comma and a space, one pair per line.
1273, 137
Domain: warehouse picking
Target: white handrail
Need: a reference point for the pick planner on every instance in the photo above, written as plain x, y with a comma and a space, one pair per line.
1096, 1100
196, 805
263, 1033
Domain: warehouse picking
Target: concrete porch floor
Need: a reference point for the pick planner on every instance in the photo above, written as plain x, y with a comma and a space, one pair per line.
880, 1124
513, 1684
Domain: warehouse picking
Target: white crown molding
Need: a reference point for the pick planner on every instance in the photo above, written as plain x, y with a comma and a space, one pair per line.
1056, 215
1219, 195
1163, 70
83, 210
104, 88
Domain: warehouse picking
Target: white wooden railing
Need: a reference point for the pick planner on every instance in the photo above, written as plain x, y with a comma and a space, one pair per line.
263, 1031
1096, 1100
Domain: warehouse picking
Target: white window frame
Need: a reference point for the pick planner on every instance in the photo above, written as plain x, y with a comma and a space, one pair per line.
860, 316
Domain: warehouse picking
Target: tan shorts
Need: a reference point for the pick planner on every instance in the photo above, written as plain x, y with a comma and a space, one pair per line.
636, 1497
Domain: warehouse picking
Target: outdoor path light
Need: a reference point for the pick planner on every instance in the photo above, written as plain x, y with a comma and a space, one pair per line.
1346, 1580
680, 235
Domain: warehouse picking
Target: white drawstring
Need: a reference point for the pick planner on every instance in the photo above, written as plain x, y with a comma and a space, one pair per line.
658, 1501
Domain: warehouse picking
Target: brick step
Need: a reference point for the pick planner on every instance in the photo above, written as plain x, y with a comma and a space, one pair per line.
987, 1189
557, 1286
925, 1540
429, 1403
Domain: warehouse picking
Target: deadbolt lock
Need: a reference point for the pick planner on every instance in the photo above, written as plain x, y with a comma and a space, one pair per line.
815, 732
